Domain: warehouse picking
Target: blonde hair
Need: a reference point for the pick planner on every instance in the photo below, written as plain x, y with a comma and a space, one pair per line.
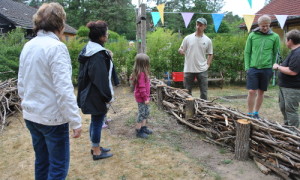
49, 17
264, 19
142, 64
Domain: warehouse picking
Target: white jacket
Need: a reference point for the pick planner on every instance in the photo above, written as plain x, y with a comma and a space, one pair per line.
45, 84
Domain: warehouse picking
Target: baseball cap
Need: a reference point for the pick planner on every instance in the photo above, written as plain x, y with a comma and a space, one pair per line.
202, 21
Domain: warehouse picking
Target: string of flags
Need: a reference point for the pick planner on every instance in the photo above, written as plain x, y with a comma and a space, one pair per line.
217, 18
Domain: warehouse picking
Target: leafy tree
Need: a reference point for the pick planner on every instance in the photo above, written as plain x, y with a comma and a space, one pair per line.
119, 15
233, 21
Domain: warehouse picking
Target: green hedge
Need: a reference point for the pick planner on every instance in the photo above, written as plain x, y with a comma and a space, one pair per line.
162, 46
10, 49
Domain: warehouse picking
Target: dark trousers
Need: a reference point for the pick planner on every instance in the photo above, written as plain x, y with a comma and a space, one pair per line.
289, 99
96, 129
202, 80
52, 150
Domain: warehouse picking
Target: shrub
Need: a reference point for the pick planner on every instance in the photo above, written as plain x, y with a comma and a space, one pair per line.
162, 46
123, 55
229, 55
83, 31
75, 45
10, 49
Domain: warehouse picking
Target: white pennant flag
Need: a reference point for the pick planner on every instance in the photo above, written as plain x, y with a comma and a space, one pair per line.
281, 19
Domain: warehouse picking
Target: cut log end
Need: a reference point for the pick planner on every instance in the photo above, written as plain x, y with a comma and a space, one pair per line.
190, 99
243, 121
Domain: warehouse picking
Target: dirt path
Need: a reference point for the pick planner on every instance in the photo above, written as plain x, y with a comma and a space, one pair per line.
219, 163
173, 152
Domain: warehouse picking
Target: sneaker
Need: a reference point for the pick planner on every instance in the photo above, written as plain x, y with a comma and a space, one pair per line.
104, 125
146, 130
250, 115
141, 134
103, 155
256, 116
102, 150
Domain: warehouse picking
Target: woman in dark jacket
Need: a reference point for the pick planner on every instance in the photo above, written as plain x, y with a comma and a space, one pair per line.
95, 91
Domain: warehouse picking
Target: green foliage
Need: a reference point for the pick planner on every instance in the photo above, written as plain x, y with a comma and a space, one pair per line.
229, 55
120, 15
227, 161
10, 49
162, 46
123, 54
114, 36
75, 45
83, 31
284, 51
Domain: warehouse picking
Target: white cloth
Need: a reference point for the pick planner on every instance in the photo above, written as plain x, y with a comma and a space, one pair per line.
196, 49
45, 84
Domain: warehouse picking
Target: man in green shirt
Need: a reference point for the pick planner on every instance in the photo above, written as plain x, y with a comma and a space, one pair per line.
260, 54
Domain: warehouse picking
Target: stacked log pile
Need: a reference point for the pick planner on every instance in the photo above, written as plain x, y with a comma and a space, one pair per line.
273, 147
9, 101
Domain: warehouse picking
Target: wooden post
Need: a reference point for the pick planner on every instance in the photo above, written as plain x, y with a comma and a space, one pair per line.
189, 108
159, 92
242, 139
138, 28
141, 29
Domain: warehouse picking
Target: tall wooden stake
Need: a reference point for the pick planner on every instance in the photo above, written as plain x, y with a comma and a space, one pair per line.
159, 93
189, 108
141, 29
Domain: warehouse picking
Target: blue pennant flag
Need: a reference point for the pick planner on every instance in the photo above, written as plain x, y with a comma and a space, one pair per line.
217, 18
155, 17
250, 3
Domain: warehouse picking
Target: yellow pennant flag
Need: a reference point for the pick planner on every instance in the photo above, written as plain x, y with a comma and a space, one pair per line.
249, 20
161, 8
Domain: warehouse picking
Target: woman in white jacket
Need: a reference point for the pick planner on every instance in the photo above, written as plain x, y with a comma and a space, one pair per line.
47, 93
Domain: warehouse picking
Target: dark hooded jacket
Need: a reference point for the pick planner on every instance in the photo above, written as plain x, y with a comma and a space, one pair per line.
94, 80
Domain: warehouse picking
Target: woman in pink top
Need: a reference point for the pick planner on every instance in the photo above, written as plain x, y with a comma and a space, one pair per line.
141, 81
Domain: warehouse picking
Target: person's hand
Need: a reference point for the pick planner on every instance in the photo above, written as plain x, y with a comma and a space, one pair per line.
180, 50
275, 66
147, 102
77, 132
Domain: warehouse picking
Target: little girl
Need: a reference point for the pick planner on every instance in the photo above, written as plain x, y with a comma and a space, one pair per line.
141, 82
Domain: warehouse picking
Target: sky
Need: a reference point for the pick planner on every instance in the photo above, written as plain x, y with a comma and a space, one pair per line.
237, 7
242, 7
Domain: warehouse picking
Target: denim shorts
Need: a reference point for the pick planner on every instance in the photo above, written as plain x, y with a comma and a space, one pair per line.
258, 78
143, 112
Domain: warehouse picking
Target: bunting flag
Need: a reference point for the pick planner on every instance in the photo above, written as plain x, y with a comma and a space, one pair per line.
155, 17
281, 20
217, 18
248, 21
250, 3
161, 8
187, 18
